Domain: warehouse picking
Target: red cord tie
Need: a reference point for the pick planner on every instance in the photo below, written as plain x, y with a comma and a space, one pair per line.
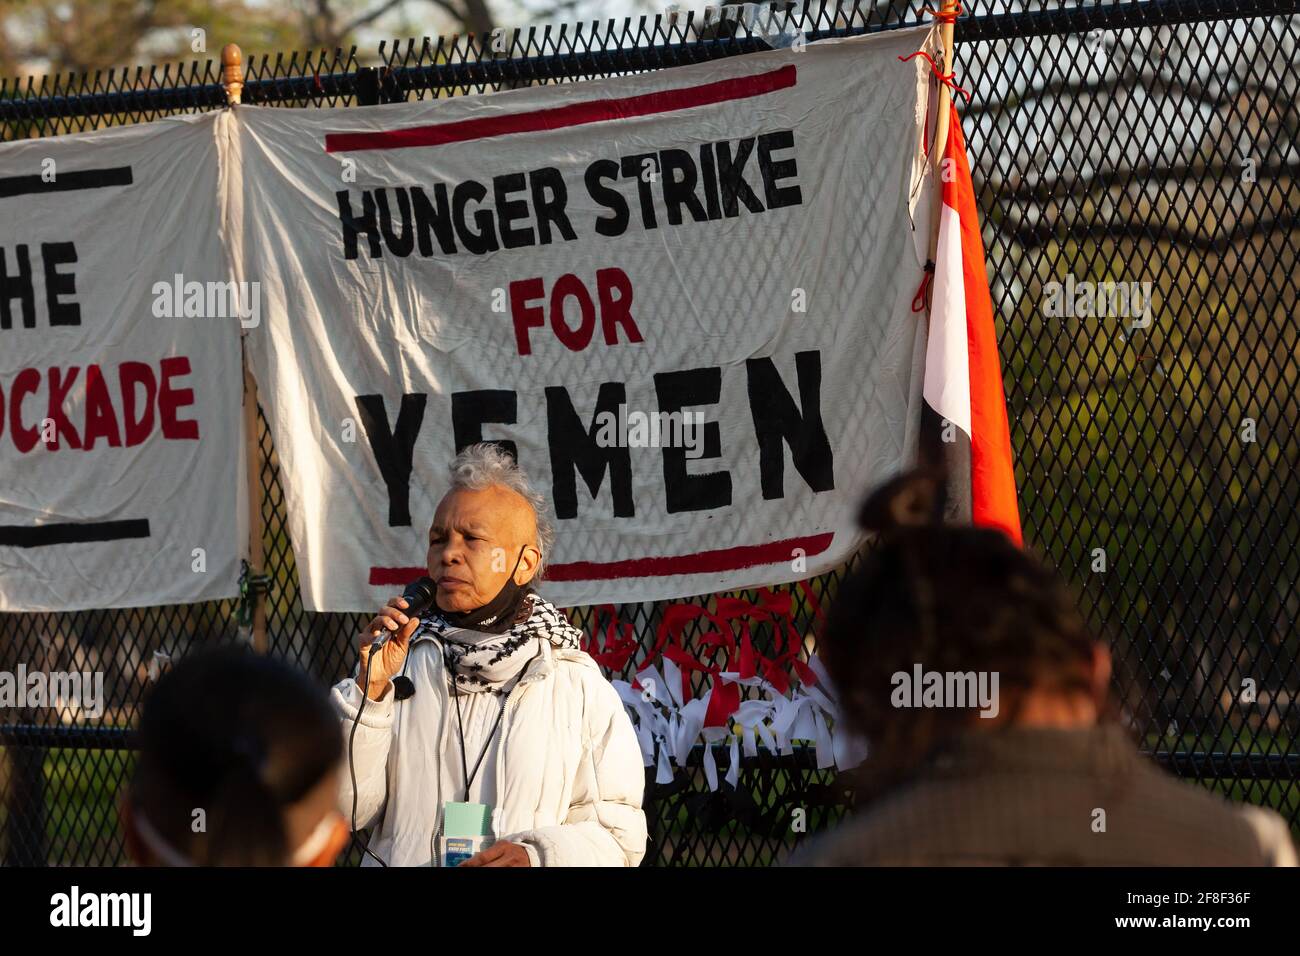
921, 301
945, 78
944, 16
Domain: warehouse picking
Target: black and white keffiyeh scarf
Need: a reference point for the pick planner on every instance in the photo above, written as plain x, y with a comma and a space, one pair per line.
482, 661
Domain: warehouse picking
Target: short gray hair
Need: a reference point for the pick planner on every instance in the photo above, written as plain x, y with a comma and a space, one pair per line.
486, 464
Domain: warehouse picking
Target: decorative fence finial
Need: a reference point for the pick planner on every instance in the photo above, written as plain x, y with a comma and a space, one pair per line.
232, 72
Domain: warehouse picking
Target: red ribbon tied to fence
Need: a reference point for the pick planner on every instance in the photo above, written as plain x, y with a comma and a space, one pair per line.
617, 648
727, 647
947, 79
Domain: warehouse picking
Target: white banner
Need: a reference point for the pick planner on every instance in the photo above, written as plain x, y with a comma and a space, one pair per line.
121, 470
684, 299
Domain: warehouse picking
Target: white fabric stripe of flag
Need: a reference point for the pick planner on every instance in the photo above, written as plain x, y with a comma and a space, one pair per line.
947, 361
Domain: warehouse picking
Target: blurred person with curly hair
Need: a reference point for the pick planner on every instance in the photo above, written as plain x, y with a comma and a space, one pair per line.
1045, 776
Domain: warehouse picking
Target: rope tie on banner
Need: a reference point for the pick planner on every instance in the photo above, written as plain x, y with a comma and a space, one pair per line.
945, 78
251, 587
315, 80
921, 301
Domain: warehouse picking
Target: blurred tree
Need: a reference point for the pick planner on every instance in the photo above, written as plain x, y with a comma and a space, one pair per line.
81, 36
1136, 442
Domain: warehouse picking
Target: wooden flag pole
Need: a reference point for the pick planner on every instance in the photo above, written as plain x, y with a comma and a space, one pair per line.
232, 79
939, 146
932, 452
256, 555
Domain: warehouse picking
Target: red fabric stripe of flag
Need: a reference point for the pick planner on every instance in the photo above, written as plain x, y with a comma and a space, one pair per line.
963, 375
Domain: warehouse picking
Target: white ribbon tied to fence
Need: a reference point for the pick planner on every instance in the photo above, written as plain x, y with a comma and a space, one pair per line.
668, 728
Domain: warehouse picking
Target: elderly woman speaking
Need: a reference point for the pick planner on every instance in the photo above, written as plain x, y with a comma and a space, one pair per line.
500, 708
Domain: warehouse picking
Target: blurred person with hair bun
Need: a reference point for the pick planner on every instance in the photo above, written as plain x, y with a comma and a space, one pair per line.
240, 764
1045, 775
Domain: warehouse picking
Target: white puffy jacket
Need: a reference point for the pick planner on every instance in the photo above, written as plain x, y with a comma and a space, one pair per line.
570, 777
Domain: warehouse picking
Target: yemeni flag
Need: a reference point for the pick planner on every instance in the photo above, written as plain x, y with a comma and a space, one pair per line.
963, 375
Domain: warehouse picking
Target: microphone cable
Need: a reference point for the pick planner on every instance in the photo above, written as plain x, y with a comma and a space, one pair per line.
418, 596
352, 764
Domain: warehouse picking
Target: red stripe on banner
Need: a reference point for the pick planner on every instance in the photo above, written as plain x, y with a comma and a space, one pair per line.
395, 577
993, 477
560, 117
706, 562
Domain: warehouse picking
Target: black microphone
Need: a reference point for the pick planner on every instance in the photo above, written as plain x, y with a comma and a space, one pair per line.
419, 594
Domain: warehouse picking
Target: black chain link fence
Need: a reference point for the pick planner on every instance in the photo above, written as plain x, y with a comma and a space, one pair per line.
1156, 454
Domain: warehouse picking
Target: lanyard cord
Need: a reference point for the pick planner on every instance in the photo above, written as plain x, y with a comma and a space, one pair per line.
469, 779
460, 727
